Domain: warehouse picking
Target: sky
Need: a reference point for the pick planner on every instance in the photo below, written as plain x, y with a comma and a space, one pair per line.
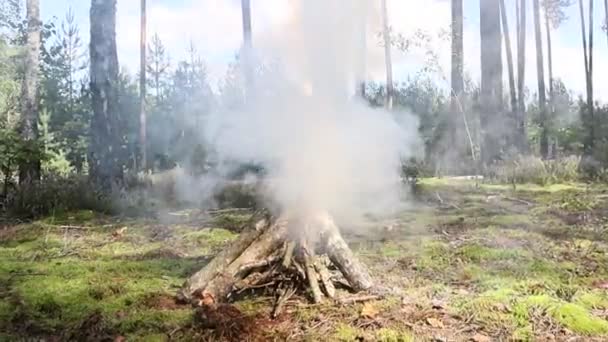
214, 27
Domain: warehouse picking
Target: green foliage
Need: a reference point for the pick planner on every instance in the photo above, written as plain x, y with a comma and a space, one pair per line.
522, 169
57, 194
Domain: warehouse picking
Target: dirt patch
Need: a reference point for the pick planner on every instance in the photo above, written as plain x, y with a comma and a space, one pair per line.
161, 253
163, 301
228, 323
93, 328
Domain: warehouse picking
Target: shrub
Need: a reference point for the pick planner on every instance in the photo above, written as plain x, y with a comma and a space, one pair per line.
56, 194
521, 169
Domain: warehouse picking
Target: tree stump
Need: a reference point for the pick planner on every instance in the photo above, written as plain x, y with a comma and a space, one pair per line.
282, 255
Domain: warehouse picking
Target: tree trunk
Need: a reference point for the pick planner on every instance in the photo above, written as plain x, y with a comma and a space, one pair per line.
491, 78
505, 29
590, 103
587, 53
104, 156
29, 169
387, 56
247, 43
540, 74
606, 16
457, 79
360, 85
521, 73
142, 89
551, 110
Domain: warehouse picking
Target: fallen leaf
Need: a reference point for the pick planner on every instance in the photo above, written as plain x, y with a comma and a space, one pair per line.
480, 338
434, 322
117, 234
369, 310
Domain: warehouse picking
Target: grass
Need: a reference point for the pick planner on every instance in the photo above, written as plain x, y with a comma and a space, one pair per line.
511, 269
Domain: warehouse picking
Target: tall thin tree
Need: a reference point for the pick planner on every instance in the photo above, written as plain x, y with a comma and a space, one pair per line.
142, 88
554, 16
387, 56
589, 121
361, 84
540, 74
521, 8
105, 161
507, 41
29, 169
491, 77
247, 42
457, 79
606, 17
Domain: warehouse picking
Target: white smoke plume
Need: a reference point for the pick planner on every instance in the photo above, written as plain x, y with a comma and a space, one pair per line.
323, 148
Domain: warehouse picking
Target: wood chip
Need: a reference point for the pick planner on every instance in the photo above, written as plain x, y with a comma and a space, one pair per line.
369, 310
480, 338
434, 322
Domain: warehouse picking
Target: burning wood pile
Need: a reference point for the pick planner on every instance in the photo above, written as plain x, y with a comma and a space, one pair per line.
283, 256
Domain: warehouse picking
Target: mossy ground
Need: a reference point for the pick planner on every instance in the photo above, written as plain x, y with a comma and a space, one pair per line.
465, 262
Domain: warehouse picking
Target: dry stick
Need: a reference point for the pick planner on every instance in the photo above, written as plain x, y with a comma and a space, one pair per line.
342, 256
288, 254
257, 264
311, 275
282, 299
201, 278
325, 277
358, 299
221, 285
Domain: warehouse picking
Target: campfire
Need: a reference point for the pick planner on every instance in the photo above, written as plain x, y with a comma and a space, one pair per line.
283, 255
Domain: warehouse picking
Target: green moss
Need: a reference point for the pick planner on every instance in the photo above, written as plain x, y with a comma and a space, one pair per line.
345, 333
572, 316
592, 300
511, 220
214, 237
525, 333
478, 253
435, 255
70, 217
391, 250
579, 320
231, 220
392, 335
153, 321
491, 308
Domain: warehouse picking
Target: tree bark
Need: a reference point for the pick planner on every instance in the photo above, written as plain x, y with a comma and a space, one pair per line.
606, 16
551, 110
142, 89
104, 157
590, 103
587, 53
491, 78
29, 169
507, 39
387, 56
540, 74
521, 73
247, 43
457, 79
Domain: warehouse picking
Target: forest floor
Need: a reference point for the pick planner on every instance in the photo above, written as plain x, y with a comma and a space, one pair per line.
466, 263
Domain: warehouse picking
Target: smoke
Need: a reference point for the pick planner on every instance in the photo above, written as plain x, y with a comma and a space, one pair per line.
323, 149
